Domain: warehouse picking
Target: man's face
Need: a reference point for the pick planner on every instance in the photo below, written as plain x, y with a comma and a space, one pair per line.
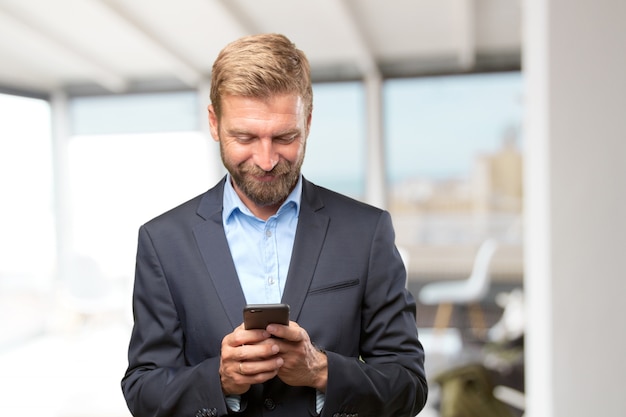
262, 143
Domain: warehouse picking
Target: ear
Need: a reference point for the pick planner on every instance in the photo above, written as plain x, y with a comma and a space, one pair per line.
213, 123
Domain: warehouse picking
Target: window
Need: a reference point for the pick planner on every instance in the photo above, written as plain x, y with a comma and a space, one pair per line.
335, 155
27, 237
454, 156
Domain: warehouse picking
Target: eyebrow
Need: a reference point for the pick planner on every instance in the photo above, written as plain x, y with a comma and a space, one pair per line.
287, 132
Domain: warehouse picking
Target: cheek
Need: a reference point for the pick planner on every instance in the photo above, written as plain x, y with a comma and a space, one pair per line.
294, 153
235, 154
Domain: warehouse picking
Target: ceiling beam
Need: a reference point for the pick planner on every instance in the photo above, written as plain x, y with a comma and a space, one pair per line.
365, 59
185, 70
239, 16
104, 76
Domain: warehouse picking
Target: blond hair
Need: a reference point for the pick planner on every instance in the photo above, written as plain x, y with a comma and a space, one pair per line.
260, 66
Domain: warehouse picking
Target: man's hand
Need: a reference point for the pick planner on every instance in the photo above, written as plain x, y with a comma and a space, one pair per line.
304, 364
248, 357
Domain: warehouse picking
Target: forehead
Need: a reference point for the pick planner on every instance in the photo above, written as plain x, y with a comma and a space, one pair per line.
279, 106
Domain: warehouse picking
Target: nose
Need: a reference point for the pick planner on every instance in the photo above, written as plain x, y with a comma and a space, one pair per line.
265, 156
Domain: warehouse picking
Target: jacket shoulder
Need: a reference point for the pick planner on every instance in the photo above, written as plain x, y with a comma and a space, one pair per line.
320, 197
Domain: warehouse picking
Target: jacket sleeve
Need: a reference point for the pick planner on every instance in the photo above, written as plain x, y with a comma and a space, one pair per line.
158, 381
388, 378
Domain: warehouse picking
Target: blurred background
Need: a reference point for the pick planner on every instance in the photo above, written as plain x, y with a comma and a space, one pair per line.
420, 107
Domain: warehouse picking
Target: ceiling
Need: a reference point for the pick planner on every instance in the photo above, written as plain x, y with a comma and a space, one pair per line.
117, 46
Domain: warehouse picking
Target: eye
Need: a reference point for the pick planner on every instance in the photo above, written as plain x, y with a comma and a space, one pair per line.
287, 139
244, 138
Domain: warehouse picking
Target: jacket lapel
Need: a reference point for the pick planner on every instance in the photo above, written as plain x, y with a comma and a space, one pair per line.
215, 253
310, 235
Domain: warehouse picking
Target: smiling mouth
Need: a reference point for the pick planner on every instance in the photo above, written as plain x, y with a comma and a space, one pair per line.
265, 177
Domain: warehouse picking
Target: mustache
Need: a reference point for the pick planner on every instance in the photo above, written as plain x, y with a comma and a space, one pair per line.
281, 168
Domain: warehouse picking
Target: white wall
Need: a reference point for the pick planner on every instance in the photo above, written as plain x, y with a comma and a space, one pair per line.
575, 69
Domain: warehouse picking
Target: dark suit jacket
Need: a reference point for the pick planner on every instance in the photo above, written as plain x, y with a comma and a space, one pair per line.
345, 286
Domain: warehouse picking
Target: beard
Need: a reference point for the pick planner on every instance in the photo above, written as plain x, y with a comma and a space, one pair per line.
265, 193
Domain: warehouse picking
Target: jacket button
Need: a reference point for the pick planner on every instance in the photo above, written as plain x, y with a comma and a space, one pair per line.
269, 404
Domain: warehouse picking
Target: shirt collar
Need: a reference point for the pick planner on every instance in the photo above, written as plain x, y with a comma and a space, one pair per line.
232, 203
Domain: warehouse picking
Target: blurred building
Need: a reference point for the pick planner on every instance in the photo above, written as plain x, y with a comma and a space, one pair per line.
440, 222
497, 178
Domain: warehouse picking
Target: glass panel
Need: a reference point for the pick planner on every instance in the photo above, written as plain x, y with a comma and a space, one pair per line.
135, 113
335, 150
27, 241
454, 149
118, 182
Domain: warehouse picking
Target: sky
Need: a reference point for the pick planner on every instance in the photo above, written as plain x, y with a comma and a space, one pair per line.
435, 126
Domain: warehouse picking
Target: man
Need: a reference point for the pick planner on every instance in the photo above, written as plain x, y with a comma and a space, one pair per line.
265, 234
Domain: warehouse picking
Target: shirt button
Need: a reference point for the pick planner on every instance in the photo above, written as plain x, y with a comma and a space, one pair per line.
269, 404
268, 233
271, 280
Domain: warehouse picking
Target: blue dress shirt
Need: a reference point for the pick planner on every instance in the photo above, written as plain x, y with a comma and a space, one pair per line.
261, 250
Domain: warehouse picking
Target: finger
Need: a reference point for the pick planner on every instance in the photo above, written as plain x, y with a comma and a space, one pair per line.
260, 351
283, 332
240, 337
291, 333
260, 368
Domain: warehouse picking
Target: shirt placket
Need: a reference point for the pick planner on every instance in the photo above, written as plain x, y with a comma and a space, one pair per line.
270, 255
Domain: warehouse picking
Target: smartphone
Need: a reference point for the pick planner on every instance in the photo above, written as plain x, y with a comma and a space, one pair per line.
258, 316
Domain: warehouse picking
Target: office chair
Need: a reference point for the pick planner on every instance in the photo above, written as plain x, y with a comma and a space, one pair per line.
470, 291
